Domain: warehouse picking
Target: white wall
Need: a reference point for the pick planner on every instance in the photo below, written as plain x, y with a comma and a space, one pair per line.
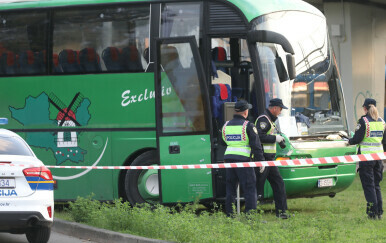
339, 16
360, 52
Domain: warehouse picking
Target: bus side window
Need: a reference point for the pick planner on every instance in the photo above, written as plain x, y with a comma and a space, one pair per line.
22, 41
182, 106
108, 40
181, 19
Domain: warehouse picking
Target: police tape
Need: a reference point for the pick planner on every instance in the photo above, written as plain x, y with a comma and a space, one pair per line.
294, 162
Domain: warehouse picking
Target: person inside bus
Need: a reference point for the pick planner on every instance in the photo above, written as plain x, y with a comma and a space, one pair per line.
243, 143
267, 131
370, 138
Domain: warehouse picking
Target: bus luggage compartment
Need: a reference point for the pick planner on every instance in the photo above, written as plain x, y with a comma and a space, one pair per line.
311, 181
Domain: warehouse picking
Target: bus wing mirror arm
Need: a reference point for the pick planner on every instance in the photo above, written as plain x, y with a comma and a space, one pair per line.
267, 36
291, 66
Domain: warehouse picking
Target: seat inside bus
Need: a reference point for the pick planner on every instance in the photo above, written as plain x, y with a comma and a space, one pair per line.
235, 71
221, 93
221, 90
55, 63
69, 61
111, 57
131, 59
89, 60
9, 63
29, 62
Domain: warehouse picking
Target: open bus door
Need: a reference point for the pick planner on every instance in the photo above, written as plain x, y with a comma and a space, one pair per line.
182, 118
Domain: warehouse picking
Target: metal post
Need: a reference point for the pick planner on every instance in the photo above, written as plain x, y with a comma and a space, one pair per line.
238, 199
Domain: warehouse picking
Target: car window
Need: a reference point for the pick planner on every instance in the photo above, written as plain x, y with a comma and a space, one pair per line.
14, 146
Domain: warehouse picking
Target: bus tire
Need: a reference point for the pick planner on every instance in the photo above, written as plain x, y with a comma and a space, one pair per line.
132, 183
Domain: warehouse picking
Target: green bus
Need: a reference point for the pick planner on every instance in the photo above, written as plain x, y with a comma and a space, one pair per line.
130, 82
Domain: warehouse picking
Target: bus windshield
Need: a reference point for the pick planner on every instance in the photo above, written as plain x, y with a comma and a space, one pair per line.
314, 98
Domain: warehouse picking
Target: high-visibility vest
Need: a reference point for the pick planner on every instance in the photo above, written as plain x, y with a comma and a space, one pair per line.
237, 140
269, 148
372, 141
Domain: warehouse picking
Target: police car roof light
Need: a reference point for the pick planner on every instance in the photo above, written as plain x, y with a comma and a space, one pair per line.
3, 121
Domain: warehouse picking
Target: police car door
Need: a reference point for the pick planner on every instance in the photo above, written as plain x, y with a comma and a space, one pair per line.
182, 118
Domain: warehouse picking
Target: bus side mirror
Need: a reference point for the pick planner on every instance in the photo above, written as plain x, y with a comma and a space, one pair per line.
281, 71
291, 66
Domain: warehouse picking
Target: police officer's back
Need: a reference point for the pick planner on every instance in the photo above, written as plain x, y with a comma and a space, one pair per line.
242, 141
370, 138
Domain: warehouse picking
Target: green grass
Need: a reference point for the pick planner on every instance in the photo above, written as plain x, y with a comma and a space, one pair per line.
322, 219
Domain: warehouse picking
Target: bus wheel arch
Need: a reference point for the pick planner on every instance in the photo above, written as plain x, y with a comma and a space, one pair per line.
140, 186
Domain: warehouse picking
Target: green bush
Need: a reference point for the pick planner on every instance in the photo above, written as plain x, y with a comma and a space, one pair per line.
83, 208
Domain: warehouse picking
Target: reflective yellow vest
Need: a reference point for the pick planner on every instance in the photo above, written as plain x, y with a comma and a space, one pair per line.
269, 148
372, 141
237, 140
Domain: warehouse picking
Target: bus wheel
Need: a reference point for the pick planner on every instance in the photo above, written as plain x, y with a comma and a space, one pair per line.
141, 186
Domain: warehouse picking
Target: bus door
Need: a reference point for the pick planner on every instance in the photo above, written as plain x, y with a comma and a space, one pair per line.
182, 117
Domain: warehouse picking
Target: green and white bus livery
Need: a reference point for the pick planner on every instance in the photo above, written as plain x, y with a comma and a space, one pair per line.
130, 82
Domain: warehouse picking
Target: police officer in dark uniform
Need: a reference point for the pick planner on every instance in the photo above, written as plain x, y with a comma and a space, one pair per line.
370, 138
242, 141
267, 131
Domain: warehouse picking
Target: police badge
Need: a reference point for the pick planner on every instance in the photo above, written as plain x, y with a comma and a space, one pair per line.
263, 125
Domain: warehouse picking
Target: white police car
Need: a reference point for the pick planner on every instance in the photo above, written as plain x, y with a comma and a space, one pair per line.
26, 190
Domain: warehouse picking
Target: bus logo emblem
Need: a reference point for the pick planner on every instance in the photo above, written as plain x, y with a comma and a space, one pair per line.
48, 110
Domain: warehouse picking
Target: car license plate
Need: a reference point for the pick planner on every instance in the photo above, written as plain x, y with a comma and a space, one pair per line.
325, 182
7, 183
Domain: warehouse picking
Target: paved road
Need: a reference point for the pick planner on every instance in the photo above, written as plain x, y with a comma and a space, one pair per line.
55, 238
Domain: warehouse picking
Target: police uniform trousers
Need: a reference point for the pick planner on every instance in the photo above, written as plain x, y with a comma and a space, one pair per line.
272, 174
371, 174
247, 179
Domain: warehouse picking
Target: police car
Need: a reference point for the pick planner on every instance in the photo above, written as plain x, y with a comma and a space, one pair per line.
26, 190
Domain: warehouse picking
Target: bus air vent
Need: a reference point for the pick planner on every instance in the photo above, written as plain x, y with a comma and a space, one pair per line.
225, 18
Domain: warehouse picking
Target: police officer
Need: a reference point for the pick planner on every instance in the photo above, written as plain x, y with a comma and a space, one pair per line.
267, 133
370, 138
242, 141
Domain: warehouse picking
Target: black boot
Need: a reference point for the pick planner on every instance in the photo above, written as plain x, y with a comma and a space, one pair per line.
283, 215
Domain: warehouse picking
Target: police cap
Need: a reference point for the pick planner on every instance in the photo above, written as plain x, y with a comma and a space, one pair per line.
369, 101
242, 105
277, 102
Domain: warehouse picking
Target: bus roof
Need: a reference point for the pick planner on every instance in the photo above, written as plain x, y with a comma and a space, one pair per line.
256, 8
251, 8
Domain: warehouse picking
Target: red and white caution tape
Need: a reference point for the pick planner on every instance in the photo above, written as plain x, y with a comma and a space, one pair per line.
294, 162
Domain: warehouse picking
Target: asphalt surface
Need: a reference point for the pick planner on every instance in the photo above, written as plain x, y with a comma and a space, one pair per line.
55, 238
